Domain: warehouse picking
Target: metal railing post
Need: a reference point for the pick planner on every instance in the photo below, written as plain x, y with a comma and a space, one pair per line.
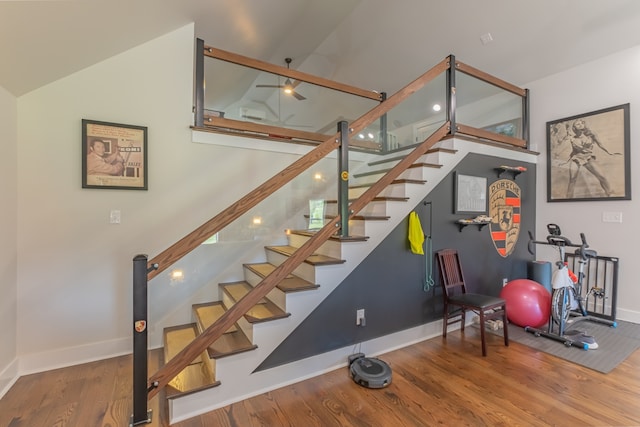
199, 84
451, 94
525, 117
140, 369
343, 178
384, 128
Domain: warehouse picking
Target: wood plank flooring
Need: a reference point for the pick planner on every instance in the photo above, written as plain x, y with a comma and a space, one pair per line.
435, 382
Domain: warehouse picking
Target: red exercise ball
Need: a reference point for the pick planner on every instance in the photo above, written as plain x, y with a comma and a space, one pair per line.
528, 302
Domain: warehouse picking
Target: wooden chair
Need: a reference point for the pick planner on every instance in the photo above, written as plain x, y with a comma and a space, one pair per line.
455, 296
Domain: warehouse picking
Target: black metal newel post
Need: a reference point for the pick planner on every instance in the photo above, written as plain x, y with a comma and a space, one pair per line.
451, 94
140, 369
343, 178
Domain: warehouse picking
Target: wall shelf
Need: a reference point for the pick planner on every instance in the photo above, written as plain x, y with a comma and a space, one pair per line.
514, 170
463, 223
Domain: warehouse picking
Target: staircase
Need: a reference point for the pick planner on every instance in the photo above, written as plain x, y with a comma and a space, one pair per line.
224, 373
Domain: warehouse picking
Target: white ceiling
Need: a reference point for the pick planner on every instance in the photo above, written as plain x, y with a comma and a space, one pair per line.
374, 44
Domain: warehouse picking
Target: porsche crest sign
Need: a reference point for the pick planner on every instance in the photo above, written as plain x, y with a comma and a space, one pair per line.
504, 209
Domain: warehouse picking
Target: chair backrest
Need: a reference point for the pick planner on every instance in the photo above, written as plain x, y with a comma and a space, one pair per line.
451, 276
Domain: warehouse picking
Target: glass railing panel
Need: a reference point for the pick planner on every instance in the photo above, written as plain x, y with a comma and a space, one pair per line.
484, 106
241, 93
196, 277
410, 122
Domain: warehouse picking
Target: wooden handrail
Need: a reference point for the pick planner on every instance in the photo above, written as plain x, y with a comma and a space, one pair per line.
467, 69
235, 58
240, 125
485, 134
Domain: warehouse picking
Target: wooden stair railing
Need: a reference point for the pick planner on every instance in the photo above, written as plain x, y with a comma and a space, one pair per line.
215, 331
161, 378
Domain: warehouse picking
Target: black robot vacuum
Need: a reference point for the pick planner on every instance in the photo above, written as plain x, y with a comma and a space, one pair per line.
368, 371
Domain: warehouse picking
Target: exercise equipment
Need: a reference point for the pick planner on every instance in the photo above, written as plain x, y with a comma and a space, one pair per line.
528, 301
567, 308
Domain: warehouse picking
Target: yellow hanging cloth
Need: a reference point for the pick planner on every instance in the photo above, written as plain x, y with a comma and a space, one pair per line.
416, 235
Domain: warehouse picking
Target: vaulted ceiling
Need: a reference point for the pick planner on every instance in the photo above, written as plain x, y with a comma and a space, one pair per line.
373, 44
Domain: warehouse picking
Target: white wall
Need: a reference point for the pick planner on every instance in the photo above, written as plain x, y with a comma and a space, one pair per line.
604, 83
74, 267
8, 238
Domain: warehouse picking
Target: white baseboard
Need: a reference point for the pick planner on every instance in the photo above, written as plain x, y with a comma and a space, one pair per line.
8, 377
628, 315
69, 356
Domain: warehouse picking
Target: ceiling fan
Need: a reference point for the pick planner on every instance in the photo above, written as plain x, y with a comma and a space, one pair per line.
288, 87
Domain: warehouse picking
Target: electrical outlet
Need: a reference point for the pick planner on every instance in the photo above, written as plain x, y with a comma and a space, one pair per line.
504, 281
360, 317
611, 216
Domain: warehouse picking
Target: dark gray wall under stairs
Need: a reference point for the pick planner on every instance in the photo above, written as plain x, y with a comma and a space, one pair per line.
389, 283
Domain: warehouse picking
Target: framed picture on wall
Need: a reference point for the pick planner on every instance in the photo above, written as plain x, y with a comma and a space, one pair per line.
470, 194
114, 156
588, 156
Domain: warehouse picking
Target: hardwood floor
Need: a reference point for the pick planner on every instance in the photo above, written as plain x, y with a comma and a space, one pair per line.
435, 382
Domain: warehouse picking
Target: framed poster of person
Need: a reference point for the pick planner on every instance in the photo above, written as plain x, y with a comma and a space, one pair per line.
470, 194
588, 156
114, 156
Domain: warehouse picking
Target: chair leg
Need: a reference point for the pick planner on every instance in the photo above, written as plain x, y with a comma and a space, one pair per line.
505, 328
482, 336
445, 320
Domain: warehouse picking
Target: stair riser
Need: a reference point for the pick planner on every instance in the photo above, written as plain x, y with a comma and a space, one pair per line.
434, 157
275, 295
420, 173
330, 248
246, 327
376, 208
394, 190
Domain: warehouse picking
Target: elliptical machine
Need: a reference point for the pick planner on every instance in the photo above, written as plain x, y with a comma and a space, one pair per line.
567, 308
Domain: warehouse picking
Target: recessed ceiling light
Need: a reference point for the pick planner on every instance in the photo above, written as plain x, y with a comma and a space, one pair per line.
436, 107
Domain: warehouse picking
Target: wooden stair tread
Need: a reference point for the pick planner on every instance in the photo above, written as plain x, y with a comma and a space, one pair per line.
313, 259
375, 199
361, 217
208, 313
199, 374
397, 181
236, 290
262, 311
310, 233
290, 284
231, 342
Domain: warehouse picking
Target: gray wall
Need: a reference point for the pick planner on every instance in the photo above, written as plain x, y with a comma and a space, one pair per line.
389, 283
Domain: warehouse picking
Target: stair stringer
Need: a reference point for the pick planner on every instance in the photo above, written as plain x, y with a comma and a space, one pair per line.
236, 373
